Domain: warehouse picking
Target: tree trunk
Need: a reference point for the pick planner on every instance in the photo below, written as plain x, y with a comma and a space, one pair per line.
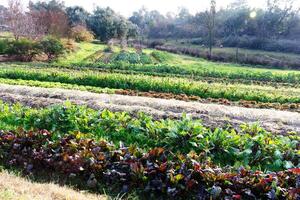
237, 54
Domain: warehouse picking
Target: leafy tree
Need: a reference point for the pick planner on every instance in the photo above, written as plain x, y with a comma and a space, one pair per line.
103, 23
278, 19
77, 15
106, 24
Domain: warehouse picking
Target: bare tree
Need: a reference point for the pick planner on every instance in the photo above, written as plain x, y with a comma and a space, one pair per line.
209, 20
50, 17
20, 23
15, 16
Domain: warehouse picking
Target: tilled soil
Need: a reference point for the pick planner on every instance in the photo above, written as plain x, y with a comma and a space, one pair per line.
212, 115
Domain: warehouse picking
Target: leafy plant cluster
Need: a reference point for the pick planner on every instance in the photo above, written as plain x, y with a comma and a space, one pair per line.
252, 147
157, 173
234, 92
26, 50
131, 58
160, 56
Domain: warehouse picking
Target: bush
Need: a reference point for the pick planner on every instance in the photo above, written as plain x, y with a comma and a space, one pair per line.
108, 49
24, 49
3, 46
81, 34
69, 45
52, 47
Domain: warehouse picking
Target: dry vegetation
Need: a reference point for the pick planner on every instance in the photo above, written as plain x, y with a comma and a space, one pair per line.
13, 187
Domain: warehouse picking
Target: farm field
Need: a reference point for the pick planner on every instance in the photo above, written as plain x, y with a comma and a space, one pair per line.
155, 121
177, 100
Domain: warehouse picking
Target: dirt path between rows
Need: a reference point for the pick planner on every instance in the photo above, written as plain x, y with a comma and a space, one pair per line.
212, 115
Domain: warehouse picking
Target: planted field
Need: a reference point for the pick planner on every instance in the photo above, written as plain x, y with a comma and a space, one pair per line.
91, 120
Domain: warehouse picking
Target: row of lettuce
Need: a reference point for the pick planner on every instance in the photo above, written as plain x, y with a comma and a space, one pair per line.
143, 83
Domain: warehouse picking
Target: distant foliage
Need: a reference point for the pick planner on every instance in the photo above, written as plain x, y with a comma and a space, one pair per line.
106, 24
80, 34
280, 45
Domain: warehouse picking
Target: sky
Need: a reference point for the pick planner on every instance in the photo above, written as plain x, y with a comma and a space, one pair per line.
126, 7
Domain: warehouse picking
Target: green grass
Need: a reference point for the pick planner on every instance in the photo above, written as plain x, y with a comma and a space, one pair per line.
84, 51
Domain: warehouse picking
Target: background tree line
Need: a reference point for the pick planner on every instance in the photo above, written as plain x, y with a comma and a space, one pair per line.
275, 27
54, 18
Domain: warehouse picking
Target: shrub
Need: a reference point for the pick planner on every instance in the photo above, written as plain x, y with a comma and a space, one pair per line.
156, 43
24, 49
108, 49
3, 46
81, 34
52, 47
69, 45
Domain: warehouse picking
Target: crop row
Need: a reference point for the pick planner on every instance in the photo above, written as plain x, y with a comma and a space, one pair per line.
157, 174
252, 147
294, 107
233, 92
138, 70
199, 71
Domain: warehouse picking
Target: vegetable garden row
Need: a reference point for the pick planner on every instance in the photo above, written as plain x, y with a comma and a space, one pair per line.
156, 174
251, 147
166, 158
143, 83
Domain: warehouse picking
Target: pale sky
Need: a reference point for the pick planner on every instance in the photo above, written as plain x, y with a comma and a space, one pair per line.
126, 7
